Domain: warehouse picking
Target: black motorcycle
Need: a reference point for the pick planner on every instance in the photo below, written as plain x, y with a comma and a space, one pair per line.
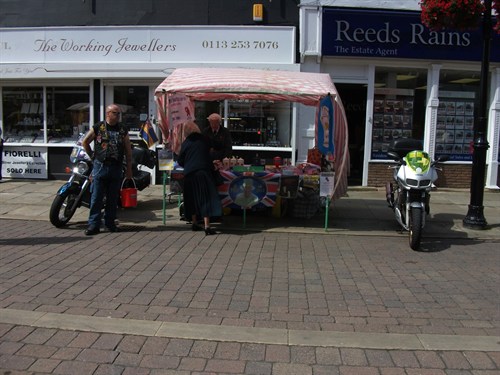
76, 191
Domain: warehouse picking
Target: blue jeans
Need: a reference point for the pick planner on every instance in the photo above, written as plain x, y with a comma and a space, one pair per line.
106, 182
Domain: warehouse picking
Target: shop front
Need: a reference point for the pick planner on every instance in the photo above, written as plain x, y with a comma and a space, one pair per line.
57, 81
414, 82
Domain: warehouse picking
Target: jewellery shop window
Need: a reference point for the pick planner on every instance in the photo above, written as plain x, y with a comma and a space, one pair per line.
458, 95
259, 123
23, 114
399, 107
66, 115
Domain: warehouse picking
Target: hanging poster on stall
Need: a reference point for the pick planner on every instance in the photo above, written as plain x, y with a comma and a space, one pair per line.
324, 126
326, 184
24, 162
181, 109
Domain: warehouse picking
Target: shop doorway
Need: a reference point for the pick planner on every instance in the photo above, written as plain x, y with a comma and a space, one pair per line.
354, 100
134, 103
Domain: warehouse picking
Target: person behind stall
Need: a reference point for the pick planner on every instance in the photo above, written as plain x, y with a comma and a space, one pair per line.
219, 138
200, 195
111, 142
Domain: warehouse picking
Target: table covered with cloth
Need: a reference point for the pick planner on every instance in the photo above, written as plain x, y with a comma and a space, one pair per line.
260, 190
263, 189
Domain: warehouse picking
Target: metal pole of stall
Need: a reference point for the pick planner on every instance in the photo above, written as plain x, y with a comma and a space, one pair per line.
326, 212
164, 195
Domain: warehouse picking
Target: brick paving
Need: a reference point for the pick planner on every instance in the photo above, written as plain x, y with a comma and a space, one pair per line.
271, 280
284, 280
65, 352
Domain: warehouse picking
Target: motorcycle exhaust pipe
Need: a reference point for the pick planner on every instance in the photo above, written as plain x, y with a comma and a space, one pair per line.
399, 218
389, 194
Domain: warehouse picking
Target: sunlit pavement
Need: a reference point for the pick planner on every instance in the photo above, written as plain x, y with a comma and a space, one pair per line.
268, 295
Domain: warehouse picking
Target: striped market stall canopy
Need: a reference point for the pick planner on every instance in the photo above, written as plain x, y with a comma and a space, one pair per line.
176, 95
251, 84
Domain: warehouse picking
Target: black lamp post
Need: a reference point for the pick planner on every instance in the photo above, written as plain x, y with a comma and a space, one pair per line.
475, 216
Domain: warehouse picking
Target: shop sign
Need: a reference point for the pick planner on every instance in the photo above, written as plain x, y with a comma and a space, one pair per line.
24, 162
397, 34
148, 44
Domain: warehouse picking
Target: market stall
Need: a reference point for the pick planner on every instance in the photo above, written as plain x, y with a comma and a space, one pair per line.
177, 93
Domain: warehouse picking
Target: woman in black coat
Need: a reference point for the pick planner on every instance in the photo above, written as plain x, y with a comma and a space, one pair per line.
200, 194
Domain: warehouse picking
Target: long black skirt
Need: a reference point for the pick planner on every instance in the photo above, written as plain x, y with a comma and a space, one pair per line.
200, 195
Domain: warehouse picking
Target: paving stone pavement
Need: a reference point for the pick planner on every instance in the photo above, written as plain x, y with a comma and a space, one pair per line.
161, 299
25, 350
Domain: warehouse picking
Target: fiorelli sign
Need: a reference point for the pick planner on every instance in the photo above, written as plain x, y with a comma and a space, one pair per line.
376, 33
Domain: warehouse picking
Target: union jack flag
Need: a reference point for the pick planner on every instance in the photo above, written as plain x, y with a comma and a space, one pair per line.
264, 187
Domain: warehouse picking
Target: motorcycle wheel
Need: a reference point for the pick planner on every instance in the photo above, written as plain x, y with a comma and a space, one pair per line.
415, 229
60, 210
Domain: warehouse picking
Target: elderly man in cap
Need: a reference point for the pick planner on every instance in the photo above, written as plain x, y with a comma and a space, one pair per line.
219, 138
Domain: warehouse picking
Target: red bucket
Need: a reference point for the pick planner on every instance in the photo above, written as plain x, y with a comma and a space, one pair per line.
128, 196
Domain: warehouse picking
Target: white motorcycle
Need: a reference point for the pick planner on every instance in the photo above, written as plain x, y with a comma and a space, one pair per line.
409, 194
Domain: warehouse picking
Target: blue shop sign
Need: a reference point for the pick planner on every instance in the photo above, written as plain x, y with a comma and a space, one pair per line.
397, 34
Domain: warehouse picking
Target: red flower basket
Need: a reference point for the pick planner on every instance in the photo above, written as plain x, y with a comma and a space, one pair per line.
495, 5
451, 14
459, 15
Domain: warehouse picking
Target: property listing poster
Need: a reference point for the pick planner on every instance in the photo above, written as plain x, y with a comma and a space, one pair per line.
455, 126
392, 119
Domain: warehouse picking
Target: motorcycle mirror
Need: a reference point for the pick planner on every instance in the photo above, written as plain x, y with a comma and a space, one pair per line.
443, 158
393, 155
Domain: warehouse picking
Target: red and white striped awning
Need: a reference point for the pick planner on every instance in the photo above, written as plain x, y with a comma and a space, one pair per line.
251, 84
211, 84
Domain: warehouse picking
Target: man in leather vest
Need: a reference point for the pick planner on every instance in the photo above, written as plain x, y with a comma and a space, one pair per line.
111, 143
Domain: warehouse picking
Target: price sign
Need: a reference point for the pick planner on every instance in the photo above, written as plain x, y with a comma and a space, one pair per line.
326, 184
165, 160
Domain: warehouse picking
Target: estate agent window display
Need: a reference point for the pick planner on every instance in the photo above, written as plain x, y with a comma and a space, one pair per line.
399, 107
458, 95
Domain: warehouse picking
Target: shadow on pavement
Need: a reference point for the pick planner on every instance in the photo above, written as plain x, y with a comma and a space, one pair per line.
148, 210
434, 245
24, 241
492, 226
443, 226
